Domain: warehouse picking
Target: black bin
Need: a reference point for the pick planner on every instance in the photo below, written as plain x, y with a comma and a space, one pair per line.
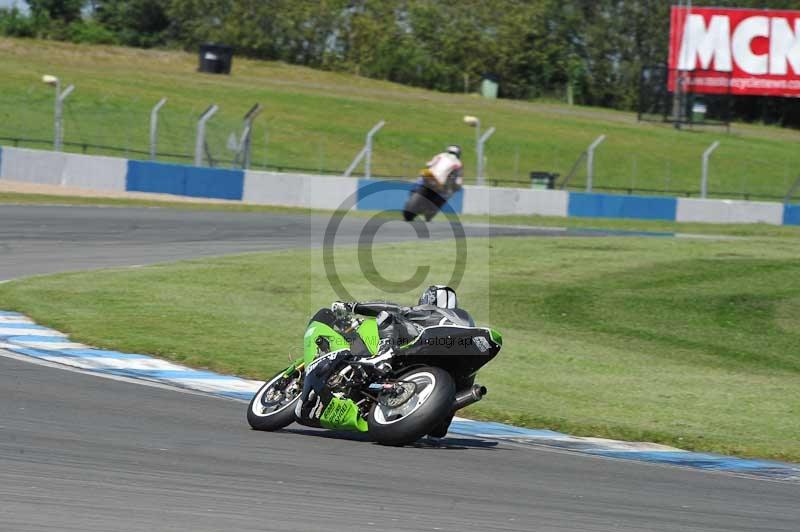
543, 180
215, 58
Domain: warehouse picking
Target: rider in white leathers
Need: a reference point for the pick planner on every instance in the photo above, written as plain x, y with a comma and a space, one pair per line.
445, 172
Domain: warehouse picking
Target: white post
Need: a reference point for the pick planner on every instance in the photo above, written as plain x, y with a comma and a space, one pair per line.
366, 151
56, 114
474, 121
704, 178
481, 141
201, 134
58, 143
245, 141
154, 127
368, 160
590, 161
478, 153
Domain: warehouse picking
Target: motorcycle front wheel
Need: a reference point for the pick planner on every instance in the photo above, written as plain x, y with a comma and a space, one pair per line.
427, 405
272, 407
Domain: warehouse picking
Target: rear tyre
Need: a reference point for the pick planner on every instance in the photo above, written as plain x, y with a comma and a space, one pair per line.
272, 407
415, 205
430, 405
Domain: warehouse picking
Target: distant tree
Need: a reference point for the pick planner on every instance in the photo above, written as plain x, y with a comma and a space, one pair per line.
196, 21
61, 10
135, 22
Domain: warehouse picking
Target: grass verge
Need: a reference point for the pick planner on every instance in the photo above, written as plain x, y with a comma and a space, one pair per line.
683, 342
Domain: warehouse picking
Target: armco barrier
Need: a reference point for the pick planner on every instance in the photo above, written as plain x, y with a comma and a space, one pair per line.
144, 176
66, 169
617, 206
500, 201
791, 215
729, 211
391, 195
298, 190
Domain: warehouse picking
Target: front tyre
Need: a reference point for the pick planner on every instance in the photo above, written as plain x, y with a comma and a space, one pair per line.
272, 407
430, 403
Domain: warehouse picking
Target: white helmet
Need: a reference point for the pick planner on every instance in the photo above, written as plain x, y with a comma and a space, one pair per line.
454, 149
440, 296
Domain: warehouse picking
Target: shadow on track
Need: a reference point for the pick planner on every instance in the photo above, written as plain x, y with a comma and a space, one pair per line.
447, 443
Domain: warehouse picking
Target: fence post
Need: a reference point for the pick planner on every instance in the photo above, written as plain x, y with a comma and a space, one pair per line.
201, 134
154, 127
481, 141
247, 133
590, 161
366, 151
704, 177
792, 190
58, 126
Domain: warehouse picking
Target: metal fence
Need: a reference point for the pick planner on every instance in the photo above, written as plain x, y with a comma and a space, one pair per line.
108, 126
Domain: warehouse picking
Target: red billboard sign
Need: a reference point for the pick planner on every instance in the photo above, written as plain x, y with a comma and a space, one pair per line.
735, 51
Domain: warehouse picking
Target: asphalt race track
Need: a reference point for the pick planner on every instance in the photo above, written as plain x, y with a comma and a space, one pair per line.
48, 239
79, 452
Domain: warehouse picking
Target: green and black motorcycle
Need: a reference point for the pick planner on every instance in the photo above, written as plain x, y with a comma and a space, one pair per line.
427, 359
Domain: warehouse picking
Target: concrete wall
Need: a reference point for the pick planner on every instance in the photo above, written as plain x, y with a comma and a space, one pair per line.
65, 169
499, 201
328, 192
182, 180
619, 206
391, 195
729, 211
791, 215
299, 190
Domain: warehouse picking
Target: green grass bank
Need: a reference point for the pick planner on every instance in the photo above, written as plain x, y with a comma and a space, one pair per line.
317, 121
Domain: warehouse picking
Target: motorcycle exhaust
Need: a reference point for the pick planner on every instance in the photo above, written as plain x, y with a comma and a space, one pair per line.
467, 397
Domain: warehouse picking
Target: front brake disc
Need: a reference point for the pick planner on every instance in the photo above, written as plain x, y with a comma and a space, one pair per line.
398, 395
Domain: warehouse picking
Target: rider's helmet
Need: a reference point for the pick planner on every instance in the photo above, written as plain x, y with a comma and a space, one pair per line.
454, 149
440, 296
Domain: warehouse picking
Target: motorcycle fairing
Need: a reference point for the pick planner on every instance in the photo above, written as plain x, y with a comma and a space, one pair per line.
317, 333
455, 348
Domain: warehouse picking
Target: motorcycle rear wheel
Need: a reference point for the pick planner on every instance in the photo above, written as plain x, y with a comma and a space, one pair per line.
429, 406
272, 407
422, 202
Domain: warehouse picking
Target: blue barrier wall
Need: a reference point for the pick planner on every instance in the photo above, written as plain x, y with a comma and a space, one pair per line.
617, 206
107, 173
791, 214
145, 176
390, 195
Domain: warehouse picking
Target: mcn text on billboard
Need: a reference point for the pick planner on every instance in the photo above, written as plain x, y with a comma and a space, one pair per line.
736, 51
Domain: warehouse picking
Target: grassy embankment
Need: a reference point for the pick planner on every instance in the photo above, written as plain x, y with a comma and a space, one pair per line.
317, 120
687, 342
